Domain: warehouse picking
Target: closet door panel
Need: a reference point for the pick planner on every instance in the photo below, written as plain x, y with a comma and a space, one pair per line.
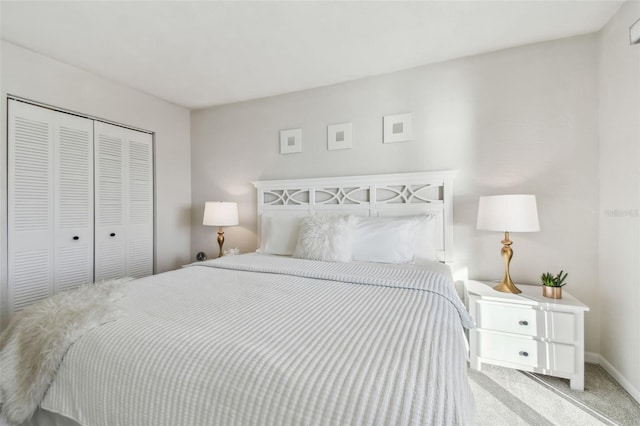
110, 208
30, 208
140, 205
73, 201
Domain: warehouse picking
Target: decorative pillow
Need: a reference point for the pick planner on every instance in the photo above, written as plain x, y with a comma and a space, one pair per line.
325, 237
279, 234
385, 240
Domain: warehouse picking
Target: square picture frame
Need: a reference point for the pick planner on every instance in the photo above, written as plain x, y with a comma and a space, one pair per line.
397, 128
290, 141
339, 136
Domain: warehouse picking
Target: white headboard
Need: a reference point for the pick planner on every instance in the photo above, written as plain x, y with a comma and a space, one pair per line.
400, 194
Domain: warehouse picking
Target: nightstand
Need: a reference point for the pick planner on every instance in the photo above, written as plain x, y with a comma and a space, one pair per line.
527, 331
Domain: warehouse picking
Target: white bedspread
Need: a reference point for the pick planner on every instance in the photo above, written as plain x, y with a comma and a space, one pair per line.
278, 341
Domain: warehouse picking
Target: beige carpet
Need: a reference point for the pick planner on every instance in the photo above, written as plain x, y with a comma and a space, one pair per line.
511, 397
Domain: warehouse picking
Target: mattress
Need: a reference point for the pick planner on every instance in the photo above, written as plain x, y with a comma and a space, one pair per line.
258, 339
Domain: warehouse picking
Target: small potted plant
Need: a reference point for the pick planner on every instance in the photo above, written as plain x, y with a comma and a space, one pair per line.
552, 285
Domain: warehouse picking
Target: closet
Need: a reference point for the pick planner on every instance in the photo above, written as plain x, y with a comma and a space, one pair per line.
80, 202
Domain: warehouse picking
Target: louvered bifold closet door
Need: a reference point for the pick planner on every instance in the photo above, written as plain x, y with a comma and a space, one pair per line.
124, 202
50, 201
73, 195
31, 226
110, 175
140, 204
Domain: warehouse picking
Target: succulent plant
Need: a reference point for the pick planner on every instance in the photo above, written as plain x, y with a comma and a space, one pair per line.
554, 281
547, 279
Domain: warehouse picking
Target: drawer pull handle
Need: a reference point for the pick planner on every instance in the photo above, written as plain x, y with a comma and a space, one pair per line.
113, 234
524, 323
524, 353
76, 238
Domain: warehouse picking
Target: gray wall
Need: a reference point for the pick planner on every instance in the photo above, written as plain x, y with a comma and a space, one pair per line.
522, 120
37, 77
619, 219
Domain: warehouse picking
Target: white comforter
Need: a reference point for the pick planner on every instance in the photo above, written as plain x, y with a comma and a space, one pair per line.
277, 341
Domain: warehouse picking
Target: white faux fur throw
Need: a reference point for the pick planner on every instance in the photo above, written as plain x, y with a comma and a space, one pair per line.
36, 340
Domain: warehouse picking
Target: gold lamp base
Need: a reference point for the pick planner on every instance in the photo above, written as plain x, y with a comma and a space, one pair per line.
507, 286
220, 240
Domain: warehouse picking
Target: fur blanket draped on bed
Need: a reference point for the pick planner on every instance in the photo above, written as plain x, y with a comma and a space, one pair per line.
36, 340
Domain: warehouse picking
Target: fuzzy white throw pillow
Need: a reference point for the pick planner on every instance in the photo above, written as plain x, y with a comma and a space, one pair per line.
325, 237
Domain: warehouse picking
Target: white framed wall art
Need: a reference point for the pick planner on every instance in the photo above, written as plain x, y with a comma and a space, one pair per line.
339, 136
290, 141
398, 128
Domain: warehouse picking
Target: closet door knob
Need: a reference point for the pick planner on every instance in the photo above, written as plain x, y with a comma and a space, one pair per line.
523, 353
113, 234
76, 238
524, 323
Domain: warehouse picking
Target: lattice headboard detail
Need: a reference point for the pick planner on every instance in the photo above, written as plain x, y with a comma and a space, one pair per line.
401, 194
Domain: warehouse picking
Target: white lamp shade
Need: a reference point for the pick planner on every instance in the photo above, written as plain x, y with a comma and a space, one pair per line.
219, 213
508, 213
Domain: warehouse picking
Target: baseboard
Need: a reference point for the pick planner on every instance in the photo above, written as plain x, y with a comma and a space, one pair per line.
626, 385
592, 357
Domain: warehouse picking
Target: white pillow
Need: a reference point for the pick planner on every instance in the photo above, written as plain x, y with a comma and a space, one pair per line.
394, 239
424, 239
385, 240
325, 237
279, 234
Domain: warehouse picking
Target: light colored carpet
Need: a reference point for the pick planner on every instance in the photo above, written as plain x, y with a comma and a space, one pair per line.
512, 397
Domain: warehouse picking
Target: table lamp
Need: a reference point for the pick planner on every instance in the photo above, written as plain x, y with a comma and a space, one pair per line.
220, 213
508, 213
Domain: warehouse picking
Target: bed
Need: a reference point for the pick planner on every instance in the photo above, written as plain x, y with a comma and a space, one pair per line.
279, 338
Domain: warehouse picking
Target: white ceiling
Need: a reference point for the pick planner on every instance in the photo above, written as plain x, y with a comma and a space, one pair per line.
204, 53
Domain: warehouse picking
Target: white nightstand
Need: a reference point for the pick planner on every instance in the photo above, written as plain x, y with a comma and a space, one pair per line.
527, 331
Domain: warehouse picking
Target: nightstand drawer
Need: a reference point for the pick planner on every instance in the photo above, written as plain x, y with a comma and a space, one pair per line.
515, 350
508, 318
